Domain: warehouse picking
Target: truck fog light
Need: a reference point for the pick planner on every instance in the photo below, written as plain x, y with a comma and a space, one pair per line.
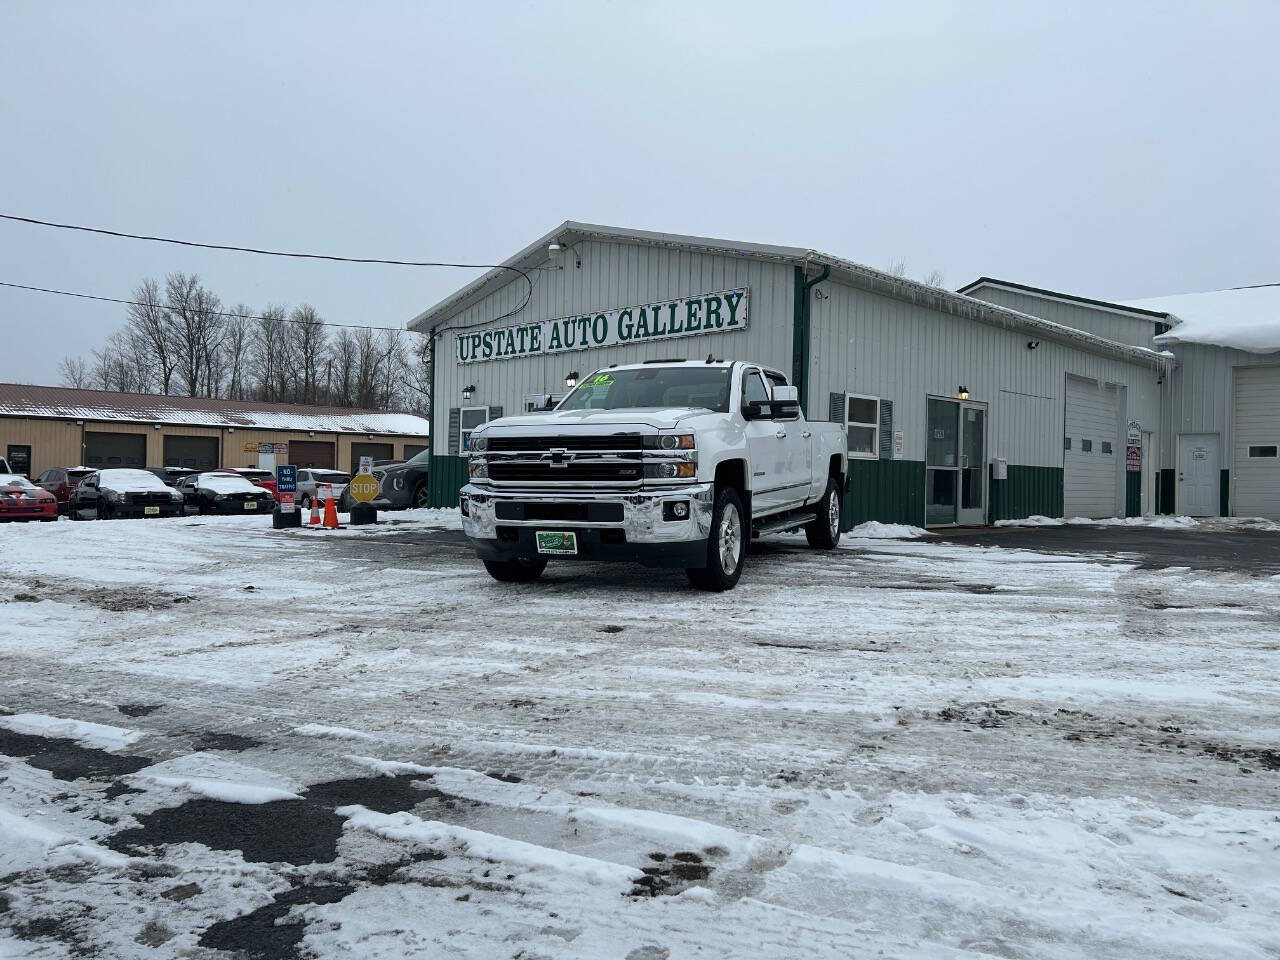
675, 510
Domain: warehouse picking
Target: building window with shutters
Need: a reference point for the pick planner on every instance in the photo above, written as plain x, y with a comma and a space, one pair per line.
469, 419
862, 425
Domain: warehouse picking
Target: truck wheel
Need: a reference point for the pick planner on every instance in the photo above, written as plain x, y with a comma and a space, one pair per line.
420, 496
515, 571
726, 547
823, 532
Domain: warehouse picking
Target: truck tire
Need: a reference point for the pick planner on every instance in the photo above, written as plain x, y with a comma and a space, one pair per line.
823, 531
515, 571
726, 546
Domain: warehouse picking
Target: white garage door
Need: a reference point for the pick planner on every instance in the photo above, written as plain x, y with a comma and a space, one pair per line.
1255, 438
1090, 471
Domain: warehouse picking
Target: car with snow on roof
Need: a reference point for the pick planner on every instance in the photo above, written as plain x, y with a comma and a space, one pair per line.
20, 499
123, 492
668, 463
218, 492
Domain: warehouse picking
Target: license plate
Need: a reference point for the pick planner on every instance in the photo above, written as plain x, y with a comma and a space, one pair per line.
251, 504
151, 511
563, 544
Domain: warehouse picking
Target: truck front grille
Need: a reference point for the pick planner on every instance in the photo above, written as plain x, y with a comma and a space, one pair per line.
596, 458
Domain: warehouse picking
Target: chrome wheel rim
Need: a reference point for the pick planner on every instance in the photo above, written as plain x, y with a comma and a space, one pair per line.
833, 515
730, 539
420, 499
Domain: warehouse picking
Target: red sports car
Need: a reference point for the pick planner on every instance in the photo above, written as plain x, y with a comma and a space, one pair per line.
61, 482
20, 499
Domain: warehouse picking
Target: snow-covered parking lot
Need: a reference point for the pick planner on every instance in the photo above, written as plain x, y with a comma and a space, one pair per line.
216, 737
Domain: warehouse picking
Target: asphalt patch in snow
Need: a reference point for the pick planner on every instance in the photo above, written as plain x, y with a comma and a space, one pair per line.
301, 831
265, 933
670, 873
230, 742
66, 759
138, 709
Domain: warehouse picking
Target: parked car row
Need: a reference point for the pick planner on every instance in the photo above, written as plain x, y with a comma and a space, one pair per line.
86, 493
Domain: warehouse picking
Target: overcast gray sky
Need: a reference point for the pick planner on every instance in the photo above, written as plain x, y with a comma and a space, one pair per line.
1111, 149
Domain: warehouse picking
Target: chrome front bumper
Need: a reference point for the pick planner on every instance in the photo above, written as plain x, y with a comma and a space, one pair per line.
642, 512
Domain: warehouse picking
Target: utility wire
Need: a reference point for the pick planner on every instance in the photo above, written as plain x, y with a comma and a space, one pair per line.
35, 221
216, 313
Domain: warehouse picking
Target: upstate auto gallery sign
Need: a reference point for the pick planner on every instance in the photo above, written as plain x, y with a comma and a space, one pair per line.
717, 312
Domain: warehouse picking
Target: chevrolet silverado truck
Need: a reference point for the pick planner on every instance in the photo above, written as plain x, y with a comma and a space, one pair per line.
667, 463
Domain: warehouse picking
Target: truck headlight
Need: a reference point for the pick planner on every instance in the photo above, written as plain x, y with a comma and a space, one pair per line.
671, 441
478, 469
681, 470
479, 444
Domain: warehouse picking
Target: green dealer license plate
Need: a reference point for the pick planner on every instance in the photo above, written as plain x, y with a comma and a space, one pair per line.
557, 543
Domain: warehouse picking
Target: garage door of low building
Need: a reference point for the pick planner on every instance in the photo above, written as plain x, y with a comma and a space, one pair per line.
312, 453
195, 453
379, 451
103, 451
1090, 478
1255, 440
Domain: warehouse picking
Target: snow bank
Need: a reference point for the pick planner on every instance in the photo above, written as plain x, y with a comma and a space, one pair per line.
874, 530
1246, 318
215, 777
334, 733
1158, 523
26, 840
486, 846
388, 768
99, 735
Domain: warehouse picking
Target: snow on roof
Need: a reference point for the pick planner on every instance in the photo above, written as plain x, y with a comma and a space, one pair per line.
69, 403
1243, 318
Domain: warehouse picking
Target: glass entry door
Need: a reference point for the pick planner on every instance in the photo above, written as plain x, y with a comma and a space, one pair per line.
955, 463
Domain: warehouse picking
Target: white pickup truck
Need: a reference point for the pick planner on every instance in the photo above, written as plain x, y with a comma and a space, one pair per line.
668, 463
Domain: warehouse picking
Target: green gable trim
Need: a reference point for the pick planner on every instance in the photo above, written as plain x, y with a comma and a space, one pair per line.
1027, 492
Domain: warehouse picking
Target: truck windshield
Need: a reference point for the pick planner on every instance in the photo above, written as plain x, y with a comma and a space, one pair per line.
691, 386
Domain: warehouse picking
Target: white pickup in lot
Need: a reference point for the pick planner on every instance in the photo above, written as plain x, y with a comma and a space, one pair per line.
669, 463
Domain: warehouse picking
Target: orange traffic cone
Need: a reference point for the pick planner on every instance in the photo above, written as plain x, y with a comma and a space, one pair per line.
315, 513
330, 514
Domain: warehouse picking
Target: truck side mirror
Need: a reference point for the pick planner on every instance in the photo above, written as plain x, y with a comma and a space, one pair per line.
786, 402
756, 410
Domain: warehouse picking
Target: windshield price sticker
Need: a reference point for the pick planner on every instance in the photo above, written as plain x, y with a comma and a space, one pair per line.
721, 312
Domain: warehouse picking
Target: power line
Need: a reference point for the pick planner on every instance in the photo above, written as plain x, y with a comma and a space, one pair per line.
262, 251
216, 313
283, 253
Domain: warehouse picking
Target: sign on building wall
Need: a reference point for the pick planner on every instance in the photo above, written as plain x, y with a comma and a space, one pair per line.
1133, 458
718, 312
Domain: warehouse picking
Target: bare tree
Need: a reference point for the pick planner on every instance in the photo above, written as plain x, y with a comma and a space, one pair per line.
343, 353
196, 324
933, 278
75, 372
269, 351
307, 334
148, 325
237, 343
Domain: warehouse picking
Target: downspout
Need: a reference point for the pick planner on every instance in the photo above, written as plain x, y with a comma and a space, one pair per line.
433, 475
802, 315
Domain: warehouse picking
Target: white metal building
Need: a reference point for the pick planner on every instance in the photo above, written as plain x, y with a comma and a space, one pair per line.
954, 407
1220, 405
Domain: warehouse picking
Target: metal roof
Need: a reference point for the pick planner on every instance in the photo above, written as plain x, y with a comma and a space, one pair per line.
71, 403
855, 274
1129, 307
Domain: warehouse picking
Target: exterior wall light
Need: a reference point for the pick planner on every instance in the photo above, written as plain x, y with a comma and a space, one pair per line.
571, 380
157, 426
962, 393
231, 429
311, 433
553, 249
468, 392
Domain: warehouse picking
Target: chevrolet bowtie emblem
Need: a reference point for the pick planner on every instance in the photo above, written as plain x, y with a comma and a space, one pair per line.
559, 457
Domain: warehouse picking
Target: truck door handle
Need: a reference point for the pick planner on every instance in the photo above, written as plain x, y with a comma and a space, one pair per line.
807, 434
780, 434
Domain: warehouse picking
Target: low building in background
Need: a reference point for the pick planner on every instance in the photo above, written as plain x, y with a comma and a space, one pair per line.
1220, 405
46, 427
